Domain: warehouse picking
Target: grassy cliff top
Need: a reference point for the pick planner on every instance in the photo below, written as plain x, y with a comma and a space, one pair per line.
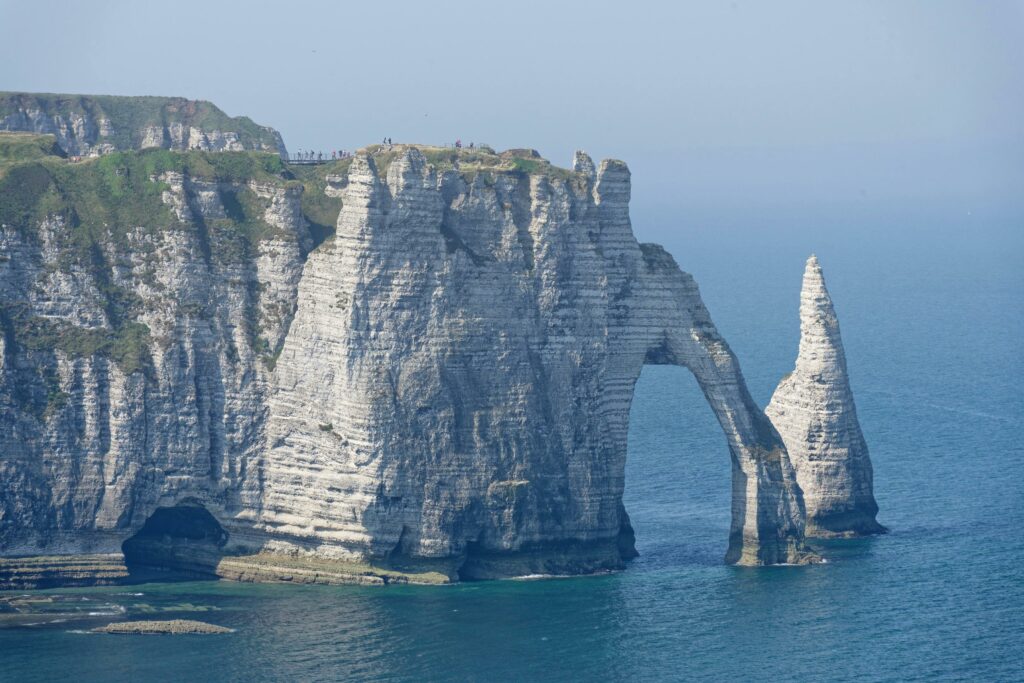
129, 116
322, 210
100, 203
16, 148
471, 161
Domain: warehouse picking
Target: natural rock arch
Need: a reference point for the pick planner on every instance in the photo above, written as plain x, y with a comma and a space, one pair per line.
478, 344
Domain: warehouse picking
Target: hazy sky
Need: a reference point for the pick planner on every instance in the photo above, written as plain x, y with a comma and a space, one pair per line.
727, 112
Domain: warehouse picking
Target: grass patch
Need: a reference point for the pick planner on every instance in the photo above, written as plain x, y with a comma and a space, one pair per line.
128, 345
320, 209
17, 148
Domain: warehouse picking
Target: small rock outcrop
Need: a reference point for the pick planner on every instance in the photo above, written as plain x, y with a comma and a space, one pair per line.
170, 627
813, 410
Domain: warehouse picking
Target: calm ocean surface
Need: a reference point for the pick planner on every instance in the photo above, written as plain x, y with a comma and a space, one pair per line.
933, 331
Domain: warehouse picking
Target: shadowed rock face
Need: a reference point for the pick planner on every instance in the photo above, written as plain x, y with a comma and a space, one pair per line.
451, 378
814, 412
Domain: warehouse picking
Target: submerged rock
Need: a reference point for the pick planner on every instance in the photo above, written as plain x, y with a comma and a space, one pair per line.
813, 410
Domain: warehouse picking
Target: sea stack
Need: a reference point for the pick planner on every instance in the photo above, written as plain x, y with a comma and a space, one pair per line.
814, 412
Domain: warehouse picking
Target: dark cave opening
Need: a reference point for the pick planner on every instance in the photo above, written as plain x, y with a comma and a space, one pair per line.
184, 539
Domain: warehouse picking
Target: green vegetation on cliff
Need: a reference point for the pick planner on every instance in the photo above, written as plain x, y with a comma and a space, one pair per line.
127, 344
103, 199
16, 148
470, 162
96, 207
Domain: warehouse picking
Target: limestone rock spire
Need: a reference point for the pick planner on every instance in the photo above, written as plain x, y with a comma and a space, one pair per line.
582, 163
814, 412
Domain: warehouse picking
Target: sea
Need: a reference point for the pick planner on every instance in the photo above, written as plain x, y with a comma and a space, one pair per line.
932, 316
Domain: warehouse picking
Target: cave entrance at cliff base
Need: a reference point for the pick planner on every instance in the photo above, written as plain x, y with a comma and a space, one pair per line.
183, 539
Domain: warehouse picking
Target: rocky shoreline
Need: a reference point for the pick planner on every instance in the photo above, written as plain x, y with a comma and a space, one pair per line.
40, 572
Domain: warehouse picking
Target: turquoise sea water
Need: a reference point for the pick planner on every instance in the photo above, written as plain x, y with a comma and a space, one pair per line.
933, 331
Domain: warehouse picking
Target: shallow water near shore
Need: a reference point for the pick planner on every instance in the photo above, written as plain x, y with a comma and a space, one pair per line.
933, 342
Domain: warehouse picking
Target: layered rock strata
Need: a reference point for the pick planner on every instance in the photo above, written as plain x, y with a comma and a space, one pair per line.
813, 410
55, 571
441, 388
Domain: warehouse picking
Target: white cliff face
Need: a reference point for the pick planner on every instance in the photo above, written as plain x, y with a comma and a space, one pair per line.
76, 133
813, 410
181, 137
445, 380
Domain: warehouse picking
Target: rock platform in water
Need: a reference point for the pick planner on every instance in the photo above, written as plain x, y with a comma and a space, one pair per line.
171, 626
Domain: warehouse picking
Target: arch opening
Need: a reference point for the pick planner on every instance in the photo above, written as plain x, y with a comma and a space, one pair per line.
184, 539
678, 477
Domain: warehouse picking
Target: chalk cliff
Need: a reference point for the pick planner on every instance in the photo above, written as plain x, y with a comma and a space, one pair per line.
440, 386
813, 410
89, 125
